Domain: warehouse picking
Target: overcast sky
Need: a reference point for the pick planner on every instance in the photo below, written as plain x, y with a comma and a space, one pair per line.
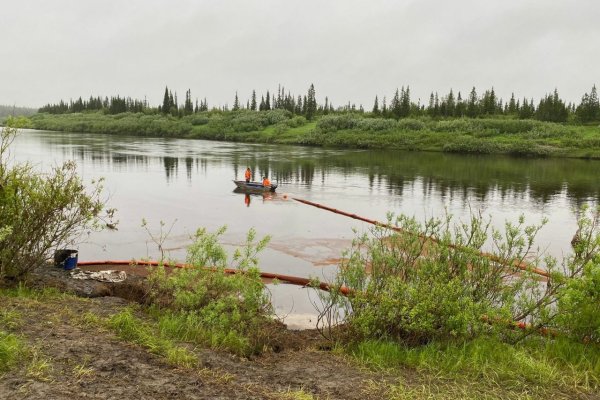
350, 50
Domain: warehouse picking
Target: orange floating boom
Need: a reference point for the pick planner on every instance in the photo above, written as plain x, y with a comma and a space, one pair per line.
294, 280
517, 264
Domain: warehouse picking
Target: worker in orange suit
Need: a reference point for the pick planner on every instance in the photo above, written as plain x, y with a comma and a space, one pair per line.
248, 174
266, 181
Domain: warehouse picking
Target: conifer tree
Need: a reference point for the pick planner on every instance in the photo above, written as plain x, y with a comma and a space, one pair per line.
188, 106
253, 101
268, 101
512, 105
450, 109
262, 106
431, 106
311, 106
405, 102
236, 103
395, 105
460, 106
589, 108
472, 109
166, 105
376, 107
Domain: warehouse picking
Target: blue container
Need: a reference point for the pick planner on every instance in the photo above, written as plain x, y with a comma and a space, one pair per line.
71, 261
66, 259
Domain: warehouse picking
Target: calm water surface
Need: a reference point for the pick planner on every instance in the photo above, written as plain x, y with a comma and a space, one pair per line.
188, 184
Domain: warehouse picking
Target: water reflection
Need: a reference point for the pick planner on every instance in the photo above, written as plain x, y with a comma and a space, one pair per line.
249, 195
443, 175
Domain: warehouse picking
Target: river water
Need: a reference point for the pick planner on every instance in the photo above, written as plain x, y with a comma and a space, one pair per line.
187, 184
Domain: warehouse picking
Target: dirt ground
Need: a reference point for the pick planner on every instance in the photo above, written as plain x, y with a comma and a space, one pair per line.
84, 362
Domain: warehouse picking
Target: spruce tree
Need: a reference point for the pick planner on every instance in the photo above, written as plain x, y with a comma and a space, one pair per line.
236, 102
253, 101
395, 105
376, 107
405, 102
512, 105
166, 105
450, 105
472, 108
311, 106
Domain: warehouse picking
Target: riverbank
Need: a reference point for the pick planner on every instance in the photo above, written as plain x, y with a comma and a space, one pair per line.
65, 346
476, 136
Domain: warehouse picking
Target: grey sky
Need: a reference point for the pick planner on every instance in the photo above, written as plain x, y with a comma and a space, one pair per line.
351, 50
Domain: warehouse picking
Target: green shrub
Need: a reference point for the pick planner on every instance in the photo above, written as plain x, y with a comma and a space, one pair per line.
456, 125
376, 124
296, 121
213, 306
579, 303
41, 212
405, 287
332, 123
410, 124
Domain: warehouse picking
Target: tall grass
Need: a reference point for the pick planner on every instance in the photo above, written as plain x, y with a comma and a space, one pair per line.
554, 363
12, 351
133, 329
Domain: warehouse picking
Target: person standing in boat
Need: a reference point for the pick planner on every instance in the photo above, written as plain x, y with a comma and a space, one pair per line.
248, 175
266, 181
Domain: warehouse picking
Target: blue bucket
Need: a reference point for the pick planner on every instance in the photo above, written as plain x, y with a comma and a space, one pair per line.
66, 258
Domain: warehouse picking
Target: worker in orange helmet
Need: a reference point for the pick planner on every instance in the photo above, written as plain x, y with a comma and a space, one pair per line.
248, 174
266, 181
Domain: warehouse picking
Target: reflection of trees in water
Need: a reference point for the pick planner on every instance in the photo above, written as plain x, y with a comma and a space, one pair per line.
189, 164
170, 164
446, 175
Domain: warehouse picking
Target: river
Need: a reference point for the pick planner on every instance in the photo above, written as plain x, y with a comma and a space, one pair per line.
187, 184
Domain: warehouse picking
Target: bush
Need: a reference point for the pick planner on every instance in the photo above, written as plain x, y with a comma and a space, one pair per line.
455, 125
332, 123
410, 124
579, 303
404, 286
40, 212
211, 305
377, 124
296, 122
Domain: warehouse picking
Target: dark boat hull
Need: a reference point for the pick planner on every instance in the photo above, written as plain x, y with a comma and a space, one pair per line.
255, 186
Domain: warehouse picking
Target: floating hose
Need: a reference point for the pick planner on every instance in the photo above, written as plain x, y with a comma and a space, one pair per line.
299, 281
516, 264
294, 280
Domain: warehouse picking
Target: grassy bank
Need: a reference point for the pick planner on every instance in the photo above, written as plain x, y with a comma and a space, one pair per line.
484, 368
482, 136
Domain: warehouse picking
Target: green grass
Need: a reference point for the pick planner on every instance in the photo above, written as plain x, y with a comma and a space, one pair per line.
12, 351
23, 292
133, 329
9, 319
536, 363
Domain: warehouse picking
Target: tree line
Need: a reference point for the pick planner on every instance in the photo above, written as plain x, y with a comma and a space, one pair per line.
549, 108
